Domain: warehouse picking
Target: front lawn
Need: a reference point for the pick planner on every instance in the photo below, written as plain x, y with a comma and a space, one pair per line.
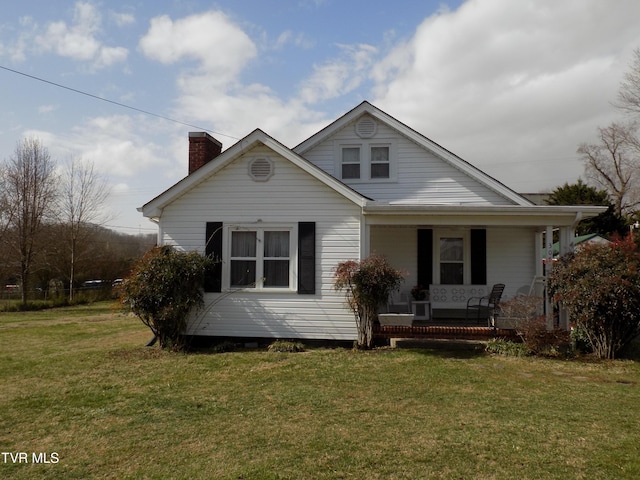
79, 383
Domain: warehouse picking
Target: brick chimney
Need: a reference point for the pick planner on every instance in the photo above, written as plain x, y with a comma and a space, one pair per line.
202, 149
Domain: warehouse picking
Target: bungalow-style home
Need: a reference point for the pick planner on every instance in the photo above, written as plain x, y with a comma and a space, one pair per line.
280, 220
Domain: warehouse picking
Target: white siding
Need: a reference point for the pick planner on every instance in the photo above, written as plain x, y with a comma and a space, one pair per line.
510, 254
290, 196
422, 177
511, 258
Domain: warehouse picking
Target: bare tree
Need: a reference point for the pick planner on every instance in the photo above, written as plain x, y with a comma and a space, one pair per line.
629, 93
614, 164
83, 193
30, 191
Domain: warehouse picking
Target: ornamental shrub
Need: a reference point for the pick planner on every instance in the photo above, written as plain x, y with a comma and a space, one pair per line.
600, 285
162, 289
367, 284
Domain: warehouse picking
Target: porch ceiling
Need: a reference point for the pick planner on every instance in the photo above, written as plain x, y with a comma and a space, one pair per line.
472, 215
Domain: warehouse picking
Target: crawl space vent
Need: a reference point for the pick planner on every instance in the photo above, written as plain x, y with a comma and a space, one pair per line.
366, 127
260, 169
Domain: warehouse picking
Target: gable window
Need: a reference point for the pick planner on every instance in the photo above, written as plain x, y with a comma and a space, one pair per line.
366, 161
380, 162
350, 162
260, 258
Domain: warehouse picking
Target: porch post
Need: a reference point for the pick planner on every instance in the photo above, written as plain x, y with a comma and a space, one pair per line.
548, 265
567, 234
539, 242
365, 237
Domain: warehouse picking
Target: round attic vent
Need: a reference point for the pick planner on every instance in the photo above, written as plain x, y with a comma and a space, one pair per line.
366, 127
260, 169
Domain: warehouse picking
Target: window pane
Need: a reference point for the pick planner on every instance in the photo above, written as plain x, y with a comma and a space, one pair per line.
243, 244
243, 273
451, 273
451, 250
380, 170
276, 244
351, 171
351, 155
276, 273
380, 154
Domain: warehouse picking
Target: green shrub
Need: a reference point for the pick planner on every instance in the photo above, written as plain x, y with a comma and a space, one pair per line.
286, 346
500, 346
600, 286
163, 288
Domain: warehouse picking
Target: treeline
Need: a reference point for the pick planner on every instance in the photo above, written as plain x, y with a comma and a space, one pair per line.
104, 254
52, 237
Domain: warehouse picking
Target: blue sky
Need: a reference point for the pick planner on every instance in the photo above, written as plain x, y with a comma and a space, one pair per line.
512, 87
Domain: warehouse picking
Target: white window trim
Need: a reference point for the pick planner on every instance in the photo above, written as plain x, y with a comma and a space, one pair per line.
465, 234
260, 227
365, 159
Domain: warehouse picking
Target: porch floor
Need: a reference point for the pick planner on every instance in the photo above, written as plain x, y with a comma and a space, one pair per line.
444, 328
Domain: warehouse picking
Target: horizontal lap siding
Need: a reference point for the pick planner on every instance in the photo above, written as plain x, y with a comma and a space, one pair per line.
510, 255
423, 177
511, 258
289, 197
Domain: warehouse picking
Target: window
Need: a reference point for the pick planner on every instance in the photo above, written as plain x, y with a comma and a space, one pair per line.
451, 261
350, 162
276, 259
366, 161
260, 258
380, 162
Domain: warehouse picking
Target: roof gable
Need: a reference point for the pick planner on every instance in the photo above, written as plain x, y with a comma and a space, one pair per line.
154, 207
365, 108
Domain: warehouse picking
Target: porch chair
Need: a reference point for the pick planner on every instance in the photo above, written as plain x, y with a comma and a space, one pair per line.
486, 306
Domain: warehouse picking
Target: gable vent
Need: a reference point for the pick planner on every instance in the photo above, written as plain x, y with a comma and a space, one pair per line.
366, 127
260, 169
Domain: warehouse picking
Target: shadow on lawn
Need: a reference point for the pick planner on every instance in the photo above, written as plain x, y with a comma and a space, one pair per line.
445, 348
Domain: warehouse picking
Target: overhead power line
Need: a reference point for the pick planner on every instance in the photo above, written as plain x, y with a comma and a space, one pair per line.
146, 112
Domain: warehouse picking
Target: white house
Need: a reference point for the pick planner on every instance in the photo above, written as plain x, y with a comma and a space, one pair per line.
281, 219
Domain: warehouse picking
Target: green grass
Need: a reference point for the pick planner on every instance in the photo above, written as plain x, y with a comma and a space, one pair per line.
79, 382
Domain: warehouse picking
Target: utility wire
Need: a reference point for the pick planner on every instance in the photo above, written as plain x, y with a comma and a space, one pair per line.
114, 102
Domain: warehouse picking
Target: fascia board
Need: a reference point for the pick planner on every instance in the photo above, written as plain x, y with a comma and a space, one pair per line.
505, 215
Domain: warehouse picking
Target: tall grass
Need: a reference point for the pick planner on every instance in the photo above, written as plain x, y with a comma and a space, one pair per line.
81, 384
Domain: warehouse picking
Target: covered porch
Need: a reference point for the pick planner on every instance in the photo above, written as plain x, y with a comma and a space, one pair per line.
454, 252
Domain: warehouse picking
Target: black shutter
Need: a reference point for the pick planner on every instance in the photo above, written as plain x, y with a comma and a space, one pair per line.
425, 257
478, 256
213, 250
306, 258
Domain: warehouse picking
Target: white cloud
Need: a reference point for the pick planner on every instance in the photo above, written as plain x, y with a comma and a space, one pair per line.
118, 145
221, 48
79, 41
289, 37
339, 76
123, 19
513, 87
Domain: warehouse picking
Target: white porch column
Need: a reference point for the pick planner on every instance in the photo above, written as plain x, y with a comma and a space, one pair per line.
539, 249
365, 237
567, 235
548, 245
